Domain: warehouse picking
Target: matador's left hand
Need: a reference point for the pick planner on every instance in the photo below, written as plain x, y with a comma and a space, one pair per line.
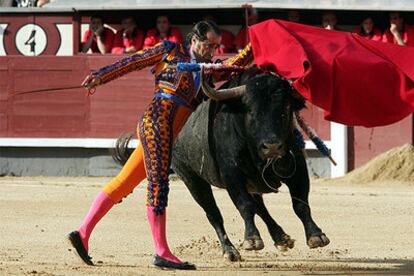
91, 82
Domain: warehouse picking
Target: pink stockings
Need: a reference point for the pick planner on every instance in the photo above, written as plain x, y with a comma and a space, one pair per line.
102, 204
158, 229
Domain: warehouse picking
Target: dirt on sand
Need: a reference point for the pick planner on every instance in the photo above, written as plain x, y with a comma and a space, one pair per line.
371, 228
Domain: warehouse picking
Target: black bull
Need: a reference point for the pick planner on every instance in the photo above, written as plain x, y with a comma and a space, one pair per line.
246, 145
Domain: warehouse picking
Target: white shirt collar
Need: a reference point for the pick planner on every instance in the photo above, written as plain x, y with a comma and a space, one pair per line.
193, 57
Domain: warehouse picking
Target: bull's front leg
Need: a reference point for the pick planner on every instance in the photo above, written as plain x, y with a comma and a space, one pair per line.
299, 192
283, 242
236, 187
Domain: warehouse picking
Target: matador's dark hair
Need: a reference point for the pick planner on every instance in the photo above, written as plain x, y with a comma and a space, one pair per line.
201, 29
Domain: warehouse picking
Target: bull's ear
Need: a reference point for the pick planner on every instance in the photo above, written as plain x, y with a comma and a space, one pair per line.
298, 102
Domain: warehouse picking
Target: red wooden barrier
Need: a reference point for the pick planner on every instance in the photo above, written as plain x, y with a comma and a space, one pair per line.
114, 108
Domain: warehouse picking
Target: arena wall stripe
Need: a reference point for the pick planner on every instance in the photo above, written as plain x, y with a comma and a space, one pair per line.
62, 142
85, 143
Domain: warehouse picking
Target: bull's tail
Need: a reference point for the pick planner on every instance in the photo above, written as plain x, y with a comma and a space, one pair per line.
121, 152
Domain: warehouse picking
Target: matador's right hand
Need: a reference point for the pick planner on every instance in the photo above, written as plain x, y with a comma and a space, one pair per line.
91, 82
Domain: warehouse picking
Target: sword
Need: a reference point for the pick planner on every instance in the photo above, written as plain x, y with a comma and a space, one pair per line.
90, 92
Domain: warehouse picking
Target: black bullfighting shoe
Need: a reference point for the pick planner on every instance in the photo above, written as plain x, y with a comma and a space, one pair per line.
166, 264
76, 241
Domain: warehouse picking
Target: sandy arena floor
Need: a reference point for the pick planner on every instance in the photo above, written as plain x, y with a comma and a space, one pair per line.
371, 228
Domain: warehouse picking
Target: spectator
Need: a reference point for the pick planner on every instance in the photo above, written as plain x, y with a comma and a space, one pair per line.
293, 16
242, 37
97, 39
368, 30
129, 39
41, 3
227, 38
399, 32
329, 21
162, 31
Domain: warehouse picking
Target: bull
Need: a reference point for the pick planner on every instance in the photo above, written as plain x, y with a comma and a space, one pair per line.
244, 143
242, 140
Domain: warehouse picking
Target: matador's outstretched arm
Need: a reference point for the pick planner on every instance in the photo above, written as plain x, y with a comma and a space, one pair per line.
139, 60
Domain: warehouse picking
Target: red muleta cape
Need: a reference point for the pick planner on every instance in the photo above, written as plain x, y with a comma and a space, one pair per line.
356, 81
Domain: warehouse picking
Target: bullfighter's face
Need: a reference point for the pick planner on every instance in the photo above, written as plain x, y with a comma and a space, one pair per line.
204, 50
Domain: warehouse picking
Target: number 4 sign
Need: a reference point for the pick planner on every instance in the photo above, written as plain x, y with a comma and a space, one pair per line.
31, 40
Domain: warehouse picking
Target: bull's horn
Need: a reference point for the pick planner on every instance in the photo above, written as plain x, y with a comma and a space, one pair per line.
222, 94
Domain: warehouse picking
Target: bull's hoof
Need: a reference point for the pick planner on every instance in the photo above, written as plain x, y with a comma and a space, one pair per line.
319, 240
232, 255
254, 243
286, 243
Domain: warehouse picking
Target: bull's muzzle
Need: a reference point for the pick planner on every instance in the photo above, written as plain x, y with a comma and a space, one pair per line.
272, 150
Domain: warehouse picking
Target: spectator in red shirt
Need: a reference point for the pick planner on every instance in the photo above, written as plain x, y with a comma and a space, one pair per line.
368, 30
399, 32
227, 37
97, 39
242, 37
129, 39
162, 31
